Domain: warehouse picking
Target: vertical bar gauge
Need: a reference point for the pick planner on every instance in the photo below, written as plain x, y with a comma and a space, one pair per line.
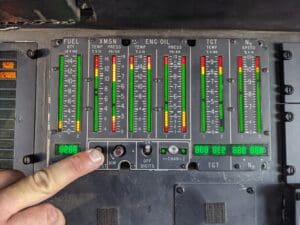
96, 94
61, 91
114, 94
258, 94
131, 93
78, 93
183, 95
166, 94
241, 118
149, 94
203, 94
221, 93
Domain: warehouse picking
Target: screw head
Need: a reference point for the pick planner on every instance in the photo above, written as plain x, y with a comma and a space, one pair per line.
126, 42
180, 190
57, 42
289, 116
287, 55
264, 166
290, 170
31, 53
250, 190
191, 43
237, 166
288, 89
182, 166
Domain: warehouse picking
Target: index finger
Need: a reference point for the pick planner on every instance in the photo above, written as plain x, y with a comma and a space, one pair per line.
47, 182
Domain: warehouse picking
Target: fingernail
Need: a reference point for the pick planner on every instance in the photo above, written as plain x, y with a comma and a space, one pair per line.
95, 155
52, 215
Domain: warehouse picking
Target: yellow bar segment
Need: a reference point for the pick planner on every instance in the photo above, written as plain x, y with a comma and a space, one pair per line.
166, 119
60, 124
77, 126
202, 70
183, 119
220, 70
96, 72
114, 72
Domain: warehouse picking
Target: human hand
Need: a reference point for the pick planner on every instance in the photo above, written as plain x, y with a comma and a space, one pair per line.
20, 196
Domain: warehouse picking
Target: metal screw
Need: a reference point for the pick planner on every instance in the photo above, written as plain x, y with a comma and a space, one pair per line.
266, 133
289, 116
264, 166
230, 109
126, 42
29, 159
288, 89
182, 166
31, 54
180, 190
264, 70
230, 80
250, 190
290, 170
191, 43
237, 166
57, 42
232, 41
287, 55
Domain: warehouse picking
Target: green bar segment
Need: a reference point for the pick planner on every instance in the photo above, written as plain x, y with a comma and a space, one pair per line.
183, 95
258, 94
131, 94
166, 94
78, 92
203, 94
96, 94
241, 95
221, 94
149, 94
61, 90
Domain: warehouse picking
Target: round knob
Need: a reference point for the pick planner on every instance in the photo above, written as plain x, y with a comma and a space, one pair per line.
173, 149
119, 151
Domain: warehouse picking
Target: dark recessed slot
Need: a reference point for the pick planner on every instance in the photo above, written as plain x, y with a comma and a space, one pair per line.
7, 94
8, 84
6, 134
6, 154
8, 55
6, 164
7, 124
6, 144
7, 114
7, 104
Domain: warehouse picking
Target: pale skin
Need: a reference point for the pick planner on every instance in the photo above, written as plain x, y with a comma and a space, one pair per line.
21, 198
